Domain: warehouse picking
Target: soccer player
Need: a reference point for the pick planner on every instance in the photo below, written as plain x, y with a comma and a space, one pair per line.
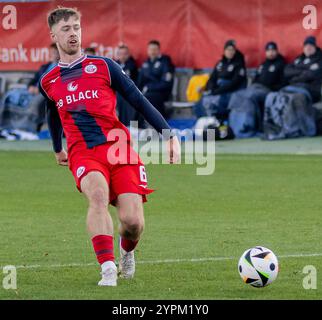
81, 99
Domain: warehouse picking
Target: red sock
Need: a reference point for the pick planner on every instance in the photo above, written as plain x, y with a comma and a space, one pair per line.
128, 245
103, 247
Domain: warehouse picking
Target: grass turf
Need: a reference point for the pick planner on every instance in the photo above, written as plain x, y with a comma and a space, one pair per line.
269, 200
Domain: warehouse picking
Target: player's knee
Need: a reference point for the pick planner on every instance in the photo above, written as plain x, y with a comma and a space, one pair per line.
131, 217
133, 225
134, 228
98, 197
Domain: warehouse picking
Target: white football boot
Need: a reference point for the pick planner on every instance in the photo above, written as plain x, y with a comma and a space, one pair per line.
109, 274
126, 263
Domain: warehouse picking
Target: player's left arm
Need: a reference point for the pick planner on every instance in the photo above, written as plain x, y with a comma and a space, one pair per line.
126, 87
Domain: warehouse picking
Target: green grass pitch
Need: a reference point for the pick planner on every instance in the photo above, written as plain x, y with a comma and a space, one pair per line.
269, 200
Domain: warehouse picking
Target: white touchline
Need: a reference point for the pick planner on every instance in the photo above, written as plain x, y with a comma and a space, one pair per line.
165, 261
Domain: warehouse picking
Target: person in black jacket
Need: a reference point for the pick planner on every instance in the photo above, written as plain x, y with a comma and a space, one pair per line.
304, 75
270, 73
289, 113
229, 75
247, 106
127, 62
126, 112
156, 77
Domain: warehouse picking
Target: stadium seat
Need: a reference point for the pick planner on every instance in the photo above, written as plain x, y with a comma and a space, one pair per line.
17, 86
22, 77
179, 106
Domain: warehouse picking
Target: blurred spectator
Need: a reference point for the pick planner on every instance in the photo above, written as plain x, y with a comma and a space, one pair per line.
270, 73
38, 102
247, 106
289, 112
126, 112
305, 74
229, 75
90, 51
156, 77
127, 62
23, 111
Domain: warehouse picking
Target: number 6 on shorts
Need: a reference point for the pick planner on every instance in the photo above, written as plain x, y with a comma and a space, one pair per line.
143, 177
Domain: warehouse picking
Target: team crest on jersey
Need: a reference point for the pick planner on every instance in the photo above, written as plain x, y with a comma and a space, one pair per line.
230, 68
314, 66
168, 76
90, 68
219, 66
80, 171
71, 87
157, 65
271, 68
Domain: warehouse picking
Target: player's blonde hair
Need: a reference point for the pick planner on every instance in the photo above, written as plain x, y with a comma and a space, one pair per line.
60, 13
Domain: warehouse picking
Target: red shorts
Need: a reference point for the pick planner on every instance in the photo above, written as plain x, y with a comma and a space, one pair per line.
124, 176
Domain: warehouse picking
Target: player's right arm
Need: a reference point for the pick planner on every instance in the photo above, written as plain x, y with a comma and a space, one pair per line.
56, 133
55, 129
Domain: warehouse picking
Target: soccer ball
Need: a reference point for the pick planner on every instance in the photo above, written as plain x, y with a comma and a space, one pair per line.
258, 266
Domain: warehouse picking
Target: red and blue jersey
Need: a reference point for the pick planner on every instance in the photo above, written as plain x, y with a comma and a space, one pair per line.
81, 100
